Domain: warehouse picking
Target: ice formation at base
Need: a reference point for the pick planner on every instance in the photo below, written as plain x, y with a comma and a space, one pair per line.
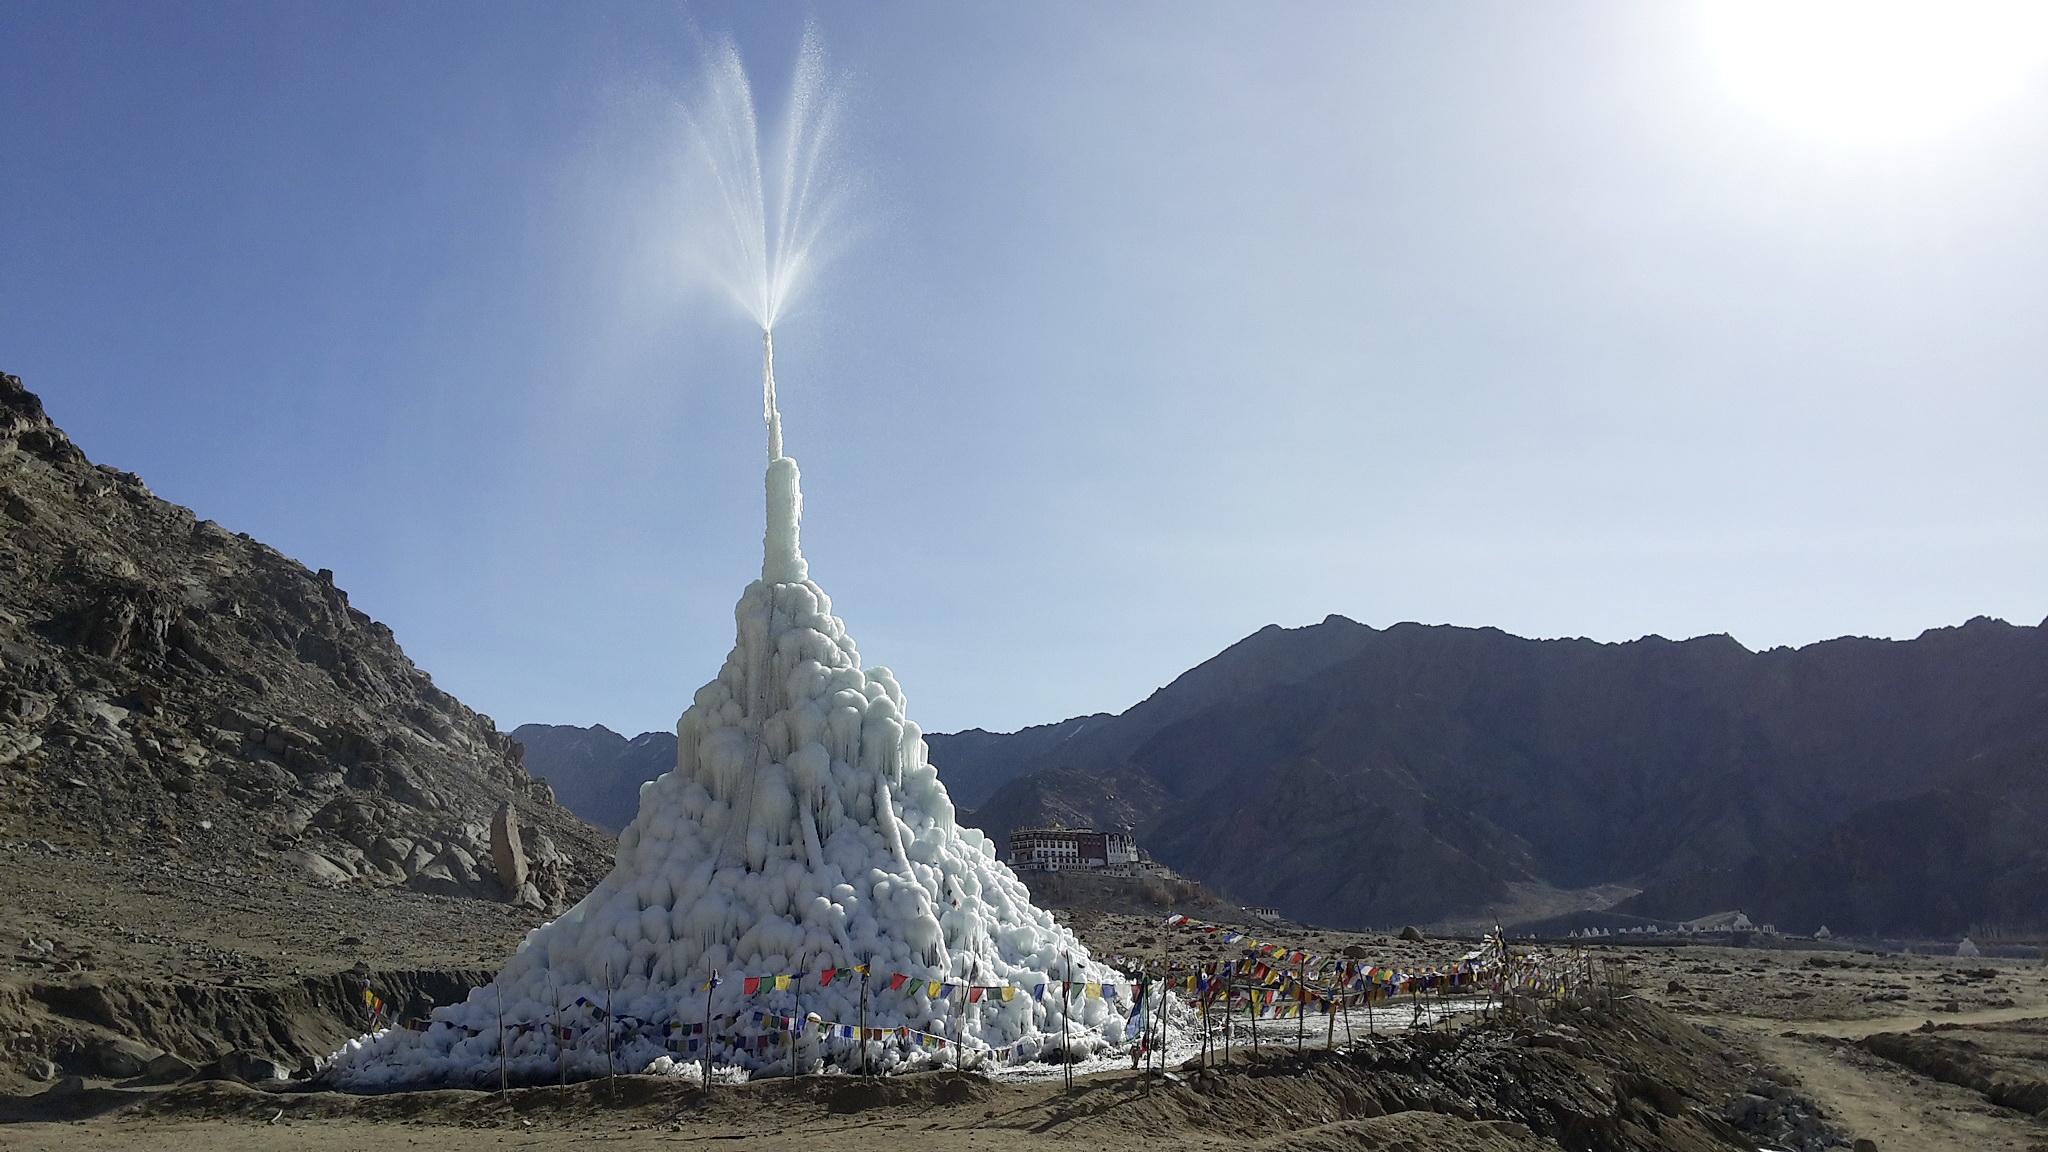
803, 829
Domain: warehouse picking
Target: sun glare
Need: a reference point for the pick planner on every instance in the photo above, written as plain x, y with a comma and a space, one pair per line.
1876, 71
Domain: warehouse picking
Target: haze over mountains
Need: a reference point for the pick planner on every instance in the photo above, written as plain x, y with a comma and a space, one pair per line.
1357, 776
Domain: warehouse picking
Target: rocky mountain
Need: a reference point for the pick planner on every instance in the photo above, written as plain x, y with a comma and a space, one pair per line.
1965, 855
1354, 776
595, 771
170, 688
975, 763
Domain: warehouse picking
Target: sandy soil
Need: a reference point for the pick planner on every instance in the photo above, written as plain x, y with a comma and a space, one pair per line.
198, 922
1640, 1077
1802, 1011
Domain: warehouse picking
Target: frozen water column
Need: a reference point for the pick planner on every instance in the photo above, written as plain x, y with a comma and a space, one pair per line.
782, 560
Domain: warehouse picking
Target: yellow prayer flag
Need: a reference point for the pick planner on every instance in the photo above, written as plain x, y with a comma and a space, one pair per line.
1095, 991
932, 989
781, 983
1009, 993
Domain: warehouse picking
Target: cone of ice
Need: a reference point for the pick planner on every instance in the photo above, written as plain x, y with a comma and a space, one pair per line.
803, 829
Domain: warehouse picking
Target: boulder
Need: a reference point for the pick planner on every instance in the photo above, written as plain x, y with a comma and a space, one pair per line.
459, 862
1412, 934
435, 879
393, 850
169, 1069
67, 1086
507, 855
117, 1059
249, 1067
39, 1068
320, 868
419, 857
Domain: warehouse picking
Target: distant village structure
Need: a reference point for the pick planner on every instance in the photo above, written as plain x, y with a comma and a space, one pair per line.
1069, 849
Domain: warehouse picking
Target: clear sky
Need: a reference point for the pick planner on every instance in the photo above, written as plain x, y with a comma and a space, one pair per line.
1165, 322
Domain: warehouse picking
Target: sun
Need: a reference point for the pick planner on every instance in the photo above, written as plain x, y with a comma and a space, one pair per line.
1876, 71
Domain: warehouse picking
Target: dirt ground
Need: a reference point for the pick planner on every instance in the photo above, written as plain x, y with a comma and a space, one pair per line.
1763, 1016
1626, 1076
207, 923
1815, 1014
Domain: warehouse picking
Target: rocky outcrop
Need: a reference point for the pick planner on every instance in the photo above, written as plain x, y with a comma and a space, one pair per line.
508, 855
168, 686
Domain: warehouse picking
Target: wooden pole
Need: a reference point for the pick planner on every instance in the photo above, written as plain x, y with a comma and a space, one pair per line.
960, 1019
704, 1050
1253, 996
1300, 1002
861, 1036
1165, 1022
1066, 990
501, 1038
1208, 1037
1330, 1026
1158, 1030
1229, 1019
796, 1023
561, 1049
611, 1078
1142, 1010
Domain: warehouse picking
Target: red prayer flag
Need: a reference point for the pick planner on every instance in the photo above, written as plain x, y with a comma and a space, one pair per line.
825, 977
896, 981
752, 985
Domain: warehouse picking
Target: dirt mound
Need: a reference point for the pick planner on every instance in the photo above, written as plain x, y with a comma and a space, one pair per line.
2006, 1064
141, 1032
1623, 1077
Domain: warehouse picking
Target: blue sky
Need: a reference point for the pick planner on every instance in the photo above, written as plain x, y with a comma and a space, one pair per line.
1164, 322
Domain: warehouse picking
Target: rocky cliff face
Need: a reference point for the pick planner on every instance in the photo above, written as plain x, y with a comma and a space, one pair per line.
168, 686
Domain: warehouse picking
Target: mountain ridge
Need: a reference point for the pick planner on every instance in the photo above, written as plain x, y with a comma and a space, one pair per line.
1440, 770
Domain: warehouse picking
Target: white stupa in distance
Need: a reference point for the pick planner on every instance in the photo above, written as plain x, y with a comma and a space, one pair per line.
803, 828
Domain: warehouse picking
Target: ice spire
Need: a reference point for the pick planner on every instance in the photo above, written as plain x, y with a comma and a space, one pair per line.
769, 411
782, 558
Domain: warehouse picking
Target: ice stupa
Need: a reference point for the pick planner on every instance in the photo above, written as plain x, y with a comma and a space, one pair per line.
802, 830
